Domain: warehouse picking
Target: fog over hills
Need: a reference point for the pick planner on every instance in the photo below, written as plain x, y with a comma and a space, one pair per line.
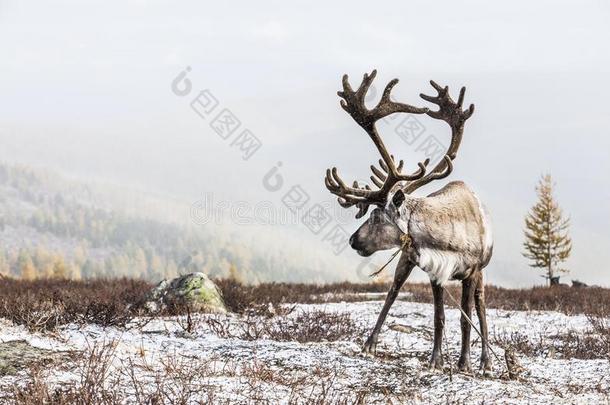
52, 226
86, 92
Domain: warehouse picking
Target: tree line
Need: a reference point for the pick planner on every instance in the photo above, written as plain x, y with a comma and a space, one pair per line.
53, 227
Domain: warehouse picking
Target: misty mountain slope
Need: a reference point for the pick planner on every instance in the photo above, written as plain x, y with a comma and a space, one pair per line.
53, 226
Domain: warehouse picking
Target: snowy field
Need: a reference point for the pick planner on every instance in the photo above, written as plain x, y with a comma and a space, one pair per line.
208, 364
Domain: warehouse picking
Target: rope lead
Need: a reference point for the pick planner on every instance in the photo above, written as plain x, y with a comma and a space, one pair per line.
406, 243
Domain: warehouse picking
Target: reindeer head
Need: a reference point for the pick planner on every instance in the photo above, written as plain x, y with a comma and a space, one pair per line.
383, 228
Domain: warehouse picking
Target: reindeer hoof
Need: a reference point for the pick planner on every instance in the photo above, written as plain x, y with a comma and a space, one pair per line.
370, 347
464, 365
485, 364
436, 361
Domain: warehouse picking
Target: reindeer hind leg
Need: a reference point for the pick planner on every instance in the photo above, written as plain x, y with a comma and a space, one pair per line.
479, 302
467, 299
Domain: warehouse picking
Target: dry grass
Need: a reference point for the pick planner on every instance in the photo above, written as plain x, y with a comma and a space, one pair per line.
103, 377
48, 303
568, 300
305, 327
93, 387
106, 379
241, 298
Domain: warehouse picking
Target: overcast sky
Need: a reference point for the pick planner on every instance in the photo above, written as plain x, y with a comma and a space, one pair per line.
85, 87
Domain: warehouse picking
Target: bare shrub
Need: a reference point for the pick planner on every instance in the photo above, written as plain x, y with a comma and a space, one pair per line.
179, 380
36, 391
590, 344
576, 345
35, 314
520, 343
314, 326
307, 326
593, 344
101, 379
240, 297
568, 300
557, 298
95, 372
93, 387
46, 304
185, 317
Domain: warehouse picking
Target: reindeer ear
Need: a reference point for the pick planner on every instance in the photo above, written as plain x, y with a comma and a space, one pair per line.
398, 199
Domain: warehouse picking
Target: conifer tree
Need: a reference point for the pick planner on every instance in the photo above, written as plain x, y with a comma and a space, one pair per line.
60, 270
234, 274
547, 243
27, 271
4, 265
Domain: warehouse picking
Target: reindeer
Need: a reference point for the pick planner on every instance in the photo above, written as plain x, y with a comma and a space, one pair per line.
447, 234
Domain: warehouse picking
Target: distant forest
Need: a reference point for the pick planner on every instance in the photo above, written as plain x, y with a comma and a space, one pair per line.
53, 227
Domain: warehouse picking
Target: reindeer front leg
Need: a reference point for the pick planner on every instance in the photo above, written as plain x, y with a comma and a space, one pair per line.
403, 270
436, 361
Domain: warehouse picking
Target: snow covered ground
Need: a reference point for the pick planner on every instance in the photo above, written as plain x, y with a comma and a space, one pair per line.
204, 367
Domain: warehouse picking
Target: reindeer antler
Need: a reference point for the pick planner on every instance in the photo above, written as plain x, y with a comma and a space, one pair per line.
390, 174
452, 113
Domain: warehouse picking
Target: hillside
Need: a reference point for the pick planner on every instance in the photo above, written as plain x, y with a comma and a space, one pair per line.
54, 226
